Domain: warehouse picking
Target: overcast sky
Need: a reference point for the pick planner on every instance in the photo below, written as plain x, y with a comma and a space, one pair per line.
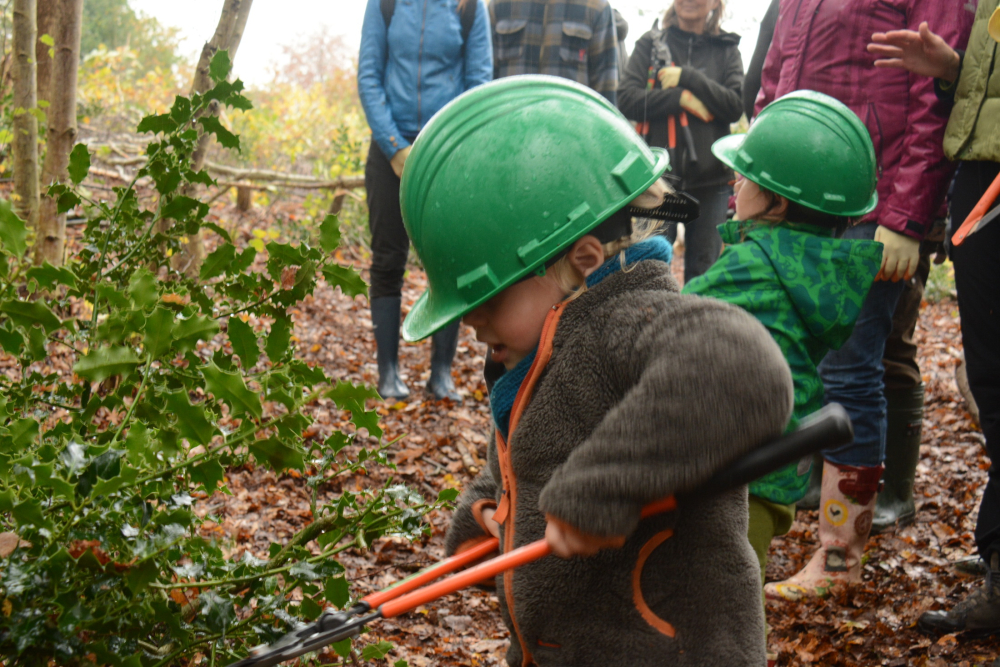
274, 23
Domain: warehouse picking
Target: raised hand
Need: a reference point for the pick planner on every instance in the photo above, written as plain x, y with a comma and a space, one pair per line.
920, 52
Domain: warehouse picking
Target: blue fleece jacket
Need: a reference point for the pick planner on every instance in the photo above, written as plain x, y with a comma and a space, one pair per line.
408, 72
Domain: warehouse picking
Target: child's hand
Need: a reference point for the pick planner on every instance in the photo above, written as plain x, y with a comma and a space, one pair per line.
567, 541
491, 525
900, 255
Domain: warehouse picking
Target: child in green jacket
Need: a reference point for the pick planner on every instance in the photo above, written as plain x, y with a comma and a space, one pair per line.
618, 391
807, 165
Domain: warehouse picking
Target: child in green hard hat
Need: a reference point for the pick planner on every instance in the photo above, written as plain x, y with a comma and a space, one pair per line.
617, 392
806, 166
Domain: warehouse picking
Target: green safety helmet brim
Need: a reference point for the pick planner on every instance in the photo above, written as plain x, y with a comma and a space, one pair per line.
507, 176
811, 149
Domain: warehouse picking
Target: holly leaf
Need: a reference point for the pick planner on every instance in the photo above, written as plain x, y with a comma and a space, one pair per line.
142, 575
218, 261
209, 474
336, 591
348, 280
29, 313
191, 421
79, 163
189, 331
47, 276
157, 335
244, 342
277, 454
155, 124
376, 651
219, 66
230, 388
329, 233
224, 136
181, 110
105, 362
277, 341
218, 611
29, 513
179, 207
447, 495
13, 232
142, 288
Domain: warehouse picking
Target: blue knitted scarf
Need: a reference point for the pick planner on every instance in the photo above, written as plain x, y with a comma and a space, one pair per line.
505, 389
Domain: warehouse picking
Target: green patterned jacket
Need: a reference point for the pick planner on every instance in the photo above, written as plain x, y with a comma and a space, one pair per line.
807, 288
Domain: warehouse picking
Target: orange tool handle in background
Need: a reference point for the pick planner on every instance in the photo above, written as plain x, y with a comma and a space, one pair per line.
491, 568
671, 132
978, 211
428, 574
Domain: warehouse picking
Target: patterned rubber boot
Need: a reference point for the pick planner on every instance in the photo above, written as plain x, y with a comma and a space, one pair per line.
847, 504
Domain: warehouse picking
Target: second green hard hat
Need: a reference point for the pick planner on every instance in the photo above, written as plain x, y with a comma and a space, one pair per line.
505, 177
811, 149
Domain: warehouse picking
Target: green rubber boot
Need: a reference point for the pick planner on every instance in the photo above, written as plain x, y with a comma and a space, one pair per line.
810, 501
902, 452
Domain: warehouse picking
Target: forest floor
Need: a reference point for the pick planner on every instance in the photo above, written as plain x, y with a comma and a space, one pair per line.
443, 445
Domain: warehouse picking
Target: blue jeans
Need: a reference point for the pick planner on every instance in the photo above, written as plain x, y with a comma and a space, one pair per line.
853, 375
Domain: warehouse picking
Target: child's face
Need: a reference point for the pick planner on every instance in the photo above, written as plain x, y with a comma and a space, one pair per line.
752, 204
511, 322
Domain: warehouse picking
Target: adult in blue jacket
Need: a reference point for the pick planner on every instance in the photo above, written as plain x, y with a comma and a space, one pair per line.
416, 56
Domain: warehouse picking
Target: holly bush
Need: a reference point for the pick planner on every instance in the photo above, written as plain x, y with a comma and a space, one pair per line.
133, 389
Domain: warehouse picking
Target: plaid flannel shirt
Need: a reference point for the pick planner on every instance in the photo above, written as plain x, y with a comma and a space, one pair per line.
573, 39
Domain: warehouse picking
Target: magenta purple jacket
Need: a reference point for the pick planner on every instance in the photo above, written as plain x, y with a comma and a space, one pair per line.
820, 45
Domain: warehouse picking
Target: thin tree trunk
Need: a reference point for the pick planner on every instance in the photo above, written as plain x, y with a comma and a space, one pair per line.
46, 26
228, 35
25, 125
62, 128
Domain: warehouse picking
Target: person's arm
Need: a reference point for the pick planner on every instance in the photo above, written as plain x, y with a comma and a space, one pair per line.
634, 101
688, 410
770, 74
751, 82
371, 77
468, 524
479, 49
924, 172
602, 56
722, 98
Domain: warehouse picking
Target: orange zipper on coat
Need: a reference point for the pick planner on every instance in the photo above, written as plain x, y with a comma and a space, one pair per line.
508, 503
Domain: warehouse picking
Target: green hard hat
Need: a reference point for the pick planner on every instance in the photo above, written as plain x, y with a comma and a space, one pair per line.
505, 177
810, 148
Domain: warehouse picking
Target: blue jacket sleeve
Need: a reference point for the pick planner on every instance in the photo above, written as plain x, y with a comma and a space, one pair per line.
371, 82
479, 49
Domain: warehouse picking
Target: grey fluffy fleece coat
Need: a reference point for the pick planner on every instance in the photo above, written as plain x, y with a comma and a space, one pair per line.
647, 394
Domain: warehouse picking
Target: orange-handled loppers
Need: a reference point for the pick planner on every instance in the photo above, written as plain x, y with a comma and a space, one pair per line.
830, 427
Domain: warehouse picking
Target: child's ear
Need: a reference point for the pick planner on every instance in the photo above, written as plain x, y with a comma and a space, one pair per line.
780, 209
586, 255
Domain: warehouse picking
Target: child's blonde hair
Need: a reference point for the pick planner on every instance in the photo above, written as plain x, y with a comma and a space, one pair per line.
570, 280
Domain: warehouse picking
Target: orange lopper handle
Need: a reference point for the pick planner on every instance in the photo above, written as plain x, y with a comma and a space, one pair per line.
977, 212
491, 568
429, 574
671, 131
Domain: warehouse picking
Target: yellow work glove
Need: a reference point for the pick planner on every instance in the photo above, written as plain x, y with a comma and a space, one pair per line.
695, 107
398, 160
900, 255
669, 77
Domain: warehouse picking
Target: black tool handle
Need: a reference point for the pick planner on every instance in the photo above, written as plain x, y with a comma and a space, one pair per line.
827, 428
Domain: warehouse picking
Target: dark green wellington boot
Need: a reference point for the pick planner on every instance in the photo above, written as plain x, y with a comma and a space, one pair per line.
385, 322
443, 346
895, 505
810, 501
